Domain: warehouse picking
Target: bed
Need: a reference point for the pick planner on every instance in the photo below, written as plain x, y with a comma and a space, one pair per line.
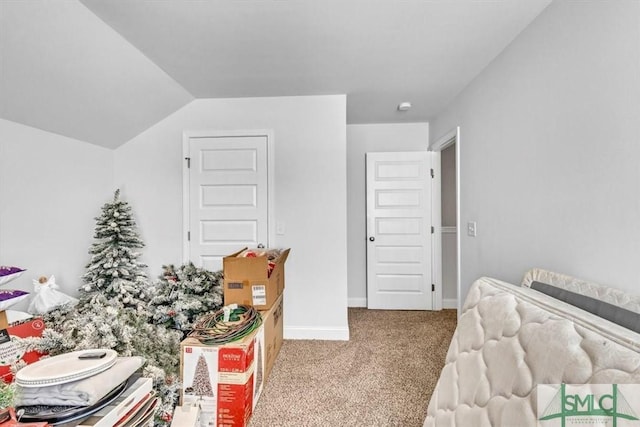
512, 340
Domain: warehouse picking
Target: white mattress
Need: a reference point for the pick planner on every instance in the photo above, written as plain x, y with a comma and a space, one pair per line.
594, 290
508, 340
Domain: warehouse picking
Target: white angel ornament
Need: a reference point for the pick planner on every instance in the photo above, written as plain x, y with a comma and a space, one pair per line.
47, 296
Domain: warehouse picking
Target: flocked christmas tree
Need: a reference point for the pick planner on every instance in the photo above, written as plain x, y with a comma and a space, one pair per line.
183, 294
114, 270
201, 385
113, 310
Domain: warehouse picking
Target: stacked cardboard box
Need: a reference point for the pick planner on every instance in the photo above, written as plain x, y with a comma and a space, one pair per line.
272, 322
226, 380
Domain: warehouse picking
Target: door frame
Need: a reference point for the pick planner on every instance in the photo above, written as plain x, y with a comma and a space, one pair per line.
187, 135
436, 235
448, 139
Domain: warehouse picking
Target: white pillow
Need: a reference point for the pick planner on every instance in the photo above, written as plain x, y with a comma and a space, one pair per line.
9, 297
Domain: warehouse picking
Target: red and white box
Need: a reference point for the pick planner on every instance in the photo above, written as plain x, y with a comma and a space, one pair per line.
225, 381
13, 351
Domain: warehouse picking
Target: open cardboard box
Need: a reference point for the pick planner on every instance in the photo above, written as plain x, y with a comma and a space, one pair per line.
247, 281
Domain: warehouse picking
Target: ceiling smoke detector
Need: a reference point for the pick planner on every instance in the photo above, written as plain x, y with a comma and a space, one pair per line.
404, 106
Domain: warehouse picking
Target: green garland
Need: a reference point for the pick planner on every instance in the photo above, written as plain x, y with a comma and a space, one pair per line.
226, 325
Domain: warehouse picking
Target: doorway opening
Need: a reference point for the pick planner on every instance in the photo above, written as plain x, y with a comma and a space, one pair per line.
448, 148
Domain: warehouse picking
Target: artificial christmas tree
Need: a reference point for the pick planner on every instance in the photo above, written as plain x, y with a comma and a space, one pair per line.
183, 294
114, 270
201, 384
113, 309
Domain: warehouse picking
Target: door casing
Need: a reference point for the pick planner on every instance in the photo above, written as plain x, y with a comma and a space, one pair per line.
446, 140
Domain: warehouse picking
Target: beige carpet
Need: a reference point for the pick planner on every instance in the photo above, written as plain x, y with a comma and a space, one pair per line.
383, 376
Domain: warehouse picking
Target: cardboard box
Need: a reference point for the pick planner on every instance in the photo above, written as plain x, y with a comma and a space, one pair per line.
237, 371
12, 351
4, 321
247, 281
186, 416
224, 380
272, 322
139, 391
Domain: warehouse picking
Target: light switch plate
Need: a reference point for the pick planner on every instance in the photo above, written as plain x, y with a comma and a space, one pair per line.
472, 228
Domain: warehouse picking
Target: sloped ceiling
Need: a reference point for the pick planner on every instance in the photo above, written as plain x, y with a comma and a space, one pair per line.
64, 71
104, 71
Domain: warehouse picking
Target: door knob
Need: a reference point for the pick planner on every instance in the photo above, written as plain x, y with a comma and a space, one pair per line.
372, 239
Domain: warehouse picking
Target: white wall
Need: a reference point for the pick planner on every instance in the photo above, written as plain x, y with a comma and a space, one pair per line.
310, 181
449, 268
550, 149
51, 189
361, 139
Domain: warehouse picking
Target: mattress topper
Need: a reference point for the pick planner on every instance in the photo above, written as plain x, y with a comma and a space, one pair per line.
508, 340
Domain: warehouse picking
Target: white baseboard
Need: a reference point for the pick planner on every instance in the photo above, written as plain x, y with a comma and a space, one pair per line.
357, 302
449, 303
319, 333
362, 302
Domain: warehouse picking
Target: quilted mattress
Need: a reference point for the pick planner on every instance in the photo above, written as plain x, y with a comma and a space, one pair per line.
594, 290
508, 340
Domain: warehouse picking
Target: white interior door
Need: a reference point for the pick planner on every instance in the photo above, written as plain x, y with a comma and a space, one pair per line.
226, 183
399, 234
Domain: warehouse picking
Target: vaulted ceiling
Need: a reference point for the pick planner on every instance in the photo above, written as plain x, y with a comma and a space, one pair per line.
102, 71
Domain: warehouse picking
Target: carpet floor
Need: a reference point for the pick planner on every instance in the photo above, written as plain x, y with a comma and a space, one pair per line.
383, 376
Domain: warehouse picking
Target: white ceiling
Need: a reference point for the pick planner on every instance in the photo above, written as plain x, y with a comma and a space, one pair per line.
104, 71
